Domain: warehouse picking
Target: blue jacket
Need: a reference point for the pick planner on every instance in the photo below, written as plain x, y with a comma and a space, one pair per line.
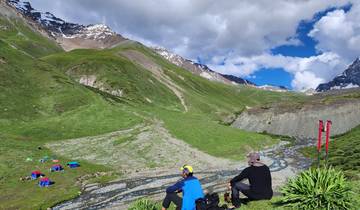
191, 190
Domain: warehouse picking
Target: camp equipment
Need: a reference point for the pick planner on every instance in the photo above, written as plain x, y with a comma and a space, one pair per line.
44, 182
36, 174
56, 167
73, 164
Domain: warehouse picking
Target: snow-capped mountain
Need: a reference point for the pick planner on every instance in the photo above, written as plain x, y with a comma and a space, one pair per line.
199, 69
273, 88
69, 35
350, 78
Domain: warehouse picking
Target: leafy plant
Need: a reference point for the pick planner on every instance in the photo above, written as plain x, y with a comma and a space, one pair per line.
320, 188
144, 204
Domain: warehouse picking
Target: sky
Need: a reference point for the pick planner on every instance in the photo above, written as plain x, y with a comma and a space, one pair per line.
295, 43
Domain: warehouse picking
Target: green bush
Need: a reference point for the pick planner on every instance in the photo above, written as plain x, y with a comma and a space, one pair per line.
320, 188
144, 204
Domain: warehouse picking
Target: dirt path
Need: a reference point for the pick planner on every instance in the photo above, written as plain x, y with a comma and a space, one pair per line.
284, 162
158, 73
147, 148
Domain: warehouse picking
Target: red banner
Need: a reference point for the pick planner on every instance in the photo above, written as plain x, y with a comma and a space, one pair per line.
321, 127
328, 126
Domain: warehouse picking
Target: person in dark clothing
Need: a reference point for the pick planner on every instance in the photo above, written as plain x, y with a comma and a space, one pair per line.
189, 186
259, 178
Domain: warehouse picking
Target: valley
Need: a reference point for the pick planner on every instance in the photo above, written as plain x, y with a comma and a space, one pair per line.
131, 115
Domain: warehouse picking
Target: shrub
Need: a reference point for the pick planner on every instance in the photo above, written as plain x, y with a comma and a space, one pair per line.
144, 204
320, 188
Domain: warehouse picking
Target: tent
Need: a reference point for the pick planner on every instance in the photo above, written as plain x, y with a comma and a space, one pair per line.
73, 164
44, 182
36, 174
56, 167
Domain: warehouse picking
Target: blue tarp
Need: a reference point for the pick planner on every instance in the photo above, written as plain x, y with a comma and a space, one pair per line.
73, 164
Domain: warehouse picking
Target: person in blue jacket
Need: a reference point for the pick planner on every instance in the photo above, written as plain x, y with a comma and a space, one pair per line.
190, 188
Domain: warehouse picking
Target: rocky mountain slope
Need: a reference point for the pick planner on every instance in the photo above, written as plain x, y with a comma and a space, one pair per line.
301, 119
70, 35
350, 78
199, 69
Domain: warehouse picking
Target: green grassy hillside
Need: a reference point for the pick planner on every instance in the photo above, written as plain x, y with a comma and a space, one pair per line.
344, 152
209, 102
25, 39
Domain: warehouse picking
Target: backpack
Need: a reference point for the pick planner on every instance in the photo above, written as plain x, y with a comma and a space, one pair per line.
209, 202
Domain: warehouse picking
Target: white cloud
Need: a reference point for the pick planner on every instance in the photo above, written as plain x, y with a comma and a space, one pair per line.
318, 69
239, 32
305, 80
197, 28
339, 32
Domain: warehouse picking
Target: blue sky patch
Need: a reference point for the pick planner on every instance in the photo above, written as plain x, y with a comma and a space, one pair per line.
272, 76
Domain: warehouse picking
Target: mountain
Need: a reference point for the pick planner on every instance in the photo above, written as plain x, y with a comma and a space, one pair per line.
70, 35
199, 69
98, 36
273, 88
350, 78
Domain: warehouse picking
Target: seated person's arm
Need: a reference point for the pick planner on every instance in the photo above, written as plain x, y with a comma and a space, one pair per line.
240, 177
177, 187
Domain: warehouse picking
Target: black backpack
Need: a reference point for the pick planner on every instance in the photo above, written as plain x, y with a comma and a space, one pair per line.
209, 202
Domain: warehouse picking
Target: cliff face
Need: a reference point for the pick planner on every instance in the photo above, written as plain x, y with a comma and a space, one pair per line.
302, 122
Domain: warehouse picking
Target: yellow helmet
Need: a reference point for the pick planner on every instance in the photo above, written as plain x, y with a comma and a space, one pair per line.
187, 168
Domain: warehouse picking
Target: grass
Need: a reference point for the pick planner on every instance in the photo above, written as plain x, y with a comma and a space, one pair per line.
213, 138
254, 205
343, 153
27, 195
19, 35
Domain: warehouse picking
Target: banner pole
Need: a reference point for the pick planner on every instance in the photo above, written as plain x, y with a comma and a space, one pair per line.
319, 140
328, 125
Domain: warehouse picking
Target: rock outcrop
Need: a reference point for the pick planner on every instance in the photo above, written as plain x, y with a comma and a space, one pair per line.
301, 122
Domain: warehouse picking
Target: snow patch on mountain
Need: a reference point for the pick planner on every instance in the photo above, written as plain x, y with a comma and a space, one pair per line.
172, 57
344, 86
350, 78
273, 88
69, 35
96, 32
199, 69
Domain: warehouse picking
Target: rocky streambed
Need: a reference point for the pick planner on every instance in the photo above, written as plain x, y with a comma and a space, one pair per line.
283, 159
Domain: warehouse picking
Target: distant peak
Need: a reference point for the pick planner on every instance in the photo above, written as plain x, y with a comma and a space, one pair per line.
350, 78
357, 61
355, 65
